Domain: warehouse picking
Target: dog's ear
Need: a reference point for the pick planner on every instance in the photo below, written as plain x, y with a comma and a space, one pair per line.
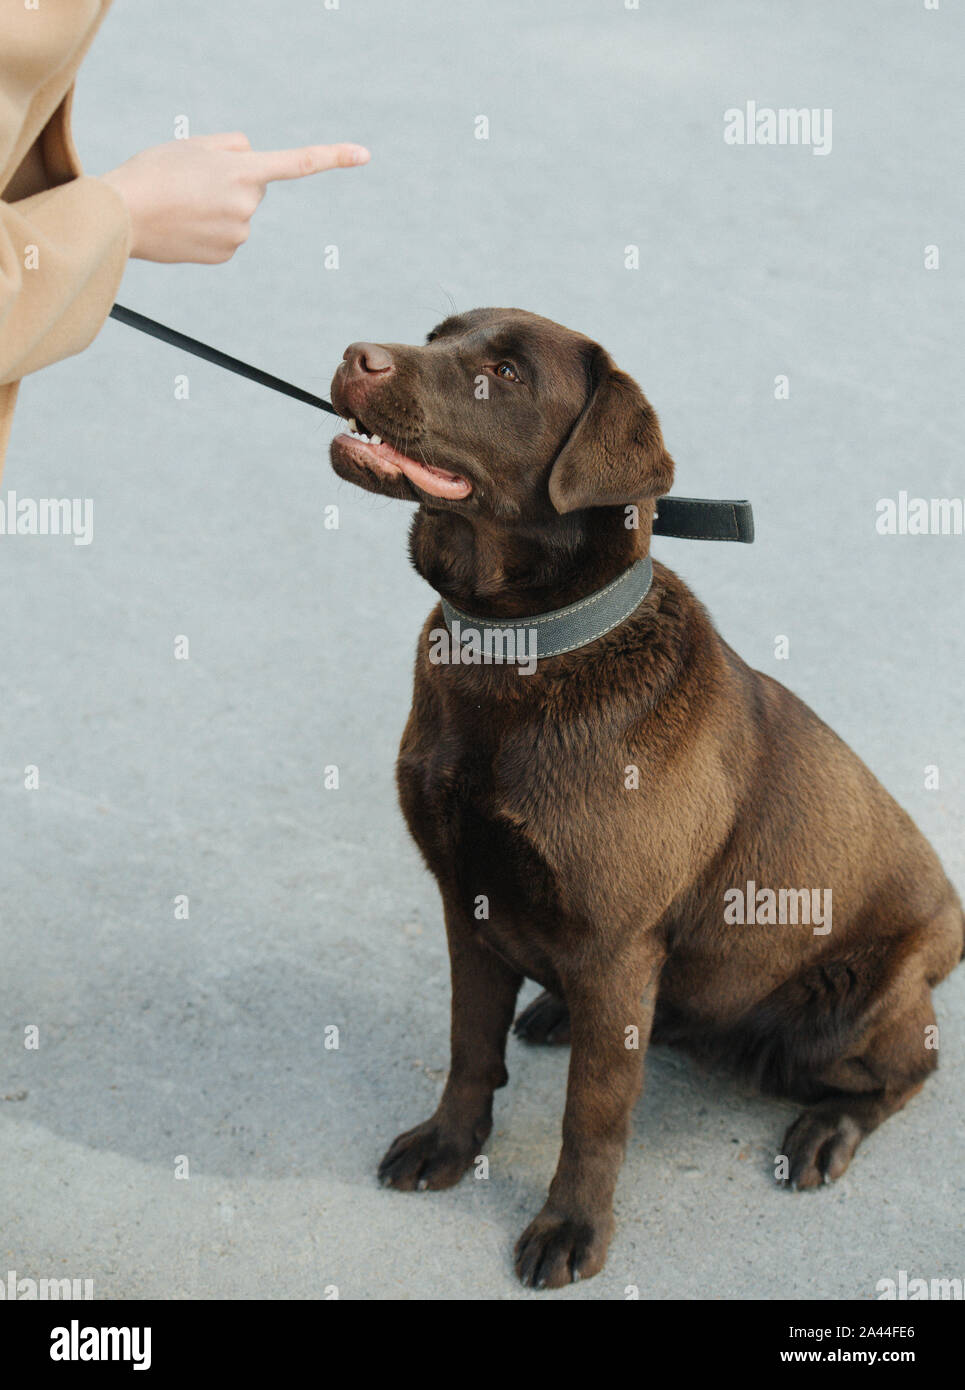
615, 452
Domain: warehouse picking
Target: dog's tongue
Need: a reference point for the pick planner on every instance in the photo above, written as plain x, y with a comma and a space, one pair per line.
436, 481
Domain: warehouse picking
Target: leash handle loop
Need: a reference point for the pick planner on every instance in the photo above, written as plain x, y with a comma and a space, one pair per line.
704, 519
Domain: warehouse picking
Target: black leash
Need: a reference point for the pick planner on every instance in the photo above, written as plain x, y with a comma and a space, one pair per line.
703, 519
220, 359
689, 518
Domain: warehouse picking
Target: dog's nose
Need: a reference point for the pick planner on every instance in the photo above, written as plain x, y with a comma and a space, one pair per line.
368, 358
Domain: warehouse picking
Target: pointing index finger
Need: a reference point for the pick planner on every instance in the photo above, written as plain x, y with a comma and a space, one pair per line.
269, 165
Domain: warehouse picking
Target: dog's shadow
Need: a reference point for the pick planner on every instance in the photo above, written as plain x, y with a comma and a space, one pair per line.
281, 1069
692, 1118
286, 1070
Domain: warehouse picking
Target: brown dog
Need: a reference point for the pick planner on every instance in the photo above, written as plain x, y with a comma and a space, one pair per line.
594, 824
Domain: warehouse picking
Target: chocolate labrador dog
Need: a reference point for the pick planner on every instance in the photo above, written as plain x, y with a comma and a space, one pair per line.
599, 813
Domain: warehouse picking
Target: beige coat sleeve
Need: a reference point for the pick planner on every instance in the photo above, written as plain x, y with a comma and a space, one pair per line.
62, 251
62, 255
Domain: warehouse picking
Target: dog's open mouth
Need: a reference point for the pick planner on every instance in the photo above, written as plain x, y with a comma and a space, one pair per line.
378, 454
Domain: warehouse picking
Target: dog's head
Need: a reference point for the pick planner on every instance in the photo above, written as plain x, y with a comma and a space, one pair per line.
500, 416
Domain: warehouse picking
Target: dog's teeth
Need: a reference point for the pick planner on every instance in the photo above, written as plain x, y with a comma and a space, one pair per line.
376, 439
353, 427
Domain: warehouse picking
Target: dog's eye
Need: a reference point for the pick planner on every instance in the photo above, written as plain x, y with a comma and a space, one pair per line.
507, 371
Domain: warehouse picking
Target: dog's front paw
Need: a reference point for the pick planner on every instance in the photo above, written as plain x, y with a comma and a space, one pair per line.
556, 1250
427, 1158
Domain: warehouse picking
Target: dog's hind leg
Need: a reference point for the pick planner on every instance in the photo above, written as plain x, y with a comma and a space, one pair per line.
895, 1059
546, 1020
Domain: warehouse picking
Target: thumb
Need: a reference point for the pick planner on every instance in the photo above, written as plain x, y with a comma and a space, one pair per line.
269, 165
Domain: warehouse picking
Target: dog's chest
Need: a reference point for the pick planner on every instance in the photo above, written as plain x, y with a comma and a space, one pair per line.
454, 799
457, 813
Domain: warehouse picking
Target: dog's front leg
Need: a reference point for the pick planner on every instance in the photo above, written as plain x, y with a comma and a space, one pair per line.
611, 1014
484, 988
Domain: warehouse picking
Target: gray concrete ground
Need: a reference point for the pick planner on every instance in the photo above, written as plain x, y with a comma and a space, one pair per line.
206, 1037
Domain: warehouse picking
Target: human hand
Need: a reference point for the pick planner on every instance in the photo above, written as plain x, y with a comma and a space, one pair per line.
193, 200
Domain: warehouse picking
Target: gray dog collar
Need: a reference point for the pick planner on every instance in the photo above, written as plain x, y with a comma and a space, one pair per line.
563, 630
